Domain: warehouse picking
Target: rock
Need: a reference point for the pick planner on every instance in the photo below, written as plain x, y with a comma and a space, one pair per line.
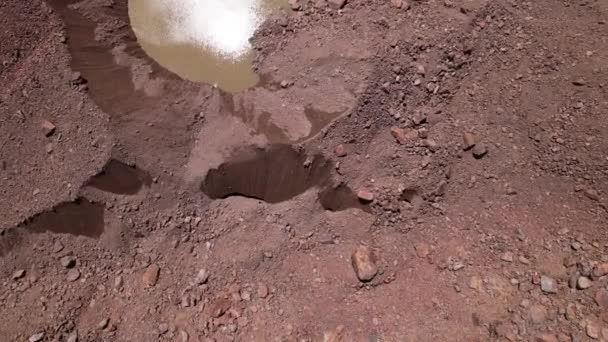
600, 270
284, 84
36, 337
57, 247
399, 134
68, 261
73, 275
150, 276
103, 324
422, 249
118, 282
363, 264
571, 311
479, 151
48, 128
337, 4
201, 277
538, 314
340, 151
548, 285
73, 337
295, 5
592, 194
476, 283
468, 140
579, 82
601, 299
262, 290
365, 196
183, 336
507, 256
77, 79
593, 329
546, 338
163, 328
431, 145
18, 274
583, 283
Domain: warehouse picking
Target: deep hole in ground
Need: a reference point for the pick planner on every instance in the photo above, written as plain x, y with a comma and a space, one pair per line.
119, 178
80, 217
275, 174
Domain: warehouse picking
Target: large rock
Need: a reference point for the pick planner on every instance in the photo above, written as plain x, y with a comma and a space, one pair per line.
364, 264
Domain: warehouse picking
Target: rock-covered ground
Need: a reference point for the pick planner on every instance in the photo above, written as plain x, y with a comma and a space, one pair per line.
407, 171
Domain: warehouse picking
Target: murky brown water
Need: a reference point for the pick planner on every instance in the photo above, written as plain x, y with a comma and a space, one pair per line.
190, 61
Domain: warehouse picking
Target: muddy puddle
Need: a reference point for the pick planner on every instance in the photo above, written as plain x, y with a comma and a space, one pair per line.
119, 178
202, 40
276, 174
80, 217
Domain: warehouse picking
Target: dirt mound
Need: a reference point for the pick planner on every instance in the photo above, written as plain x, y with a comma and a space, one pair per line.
403, 170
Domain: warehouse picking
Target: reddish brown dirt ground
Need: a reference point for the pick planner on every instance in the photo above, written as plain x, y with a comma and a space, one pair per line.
107, 233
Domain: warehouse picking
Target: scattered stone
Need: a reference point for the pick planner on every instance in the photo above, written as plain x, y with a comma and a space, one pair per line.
363, 264
337, 4
600, 270
479, 151
57, 247
592, 194
399, 134
593, 329
546, 338
68, 261
571, 311
150, 276
48, 128
422, 249
201, 277
548, 285
284, 84
538, 314
295, 5
163, 328
524, 260
73, 337
507, 256
340, 151
18, 274
583, 283
36, 337
262, 291
103, 324
476, 283
365, 196
118, 282
73, 275
77, 79
469, 141
601, 299
183, 336
579, 82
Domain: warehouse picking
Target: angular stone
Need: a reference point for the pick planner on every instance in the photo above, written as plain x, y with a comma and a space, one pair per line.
600, 270
73, 275
548, 285
48, 128
36, 337
18, 274
538, 314
365, 196
363, 263
201, 277
479, 151
151, 275
468, 140
337, 4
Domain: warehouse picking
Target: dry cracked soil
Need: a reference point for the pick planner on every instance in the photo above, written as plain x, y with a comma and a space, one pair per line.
404, 170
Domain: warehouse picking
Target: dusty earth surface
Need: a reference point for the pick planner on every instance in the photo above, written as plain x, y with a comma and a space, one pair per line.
136, 206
